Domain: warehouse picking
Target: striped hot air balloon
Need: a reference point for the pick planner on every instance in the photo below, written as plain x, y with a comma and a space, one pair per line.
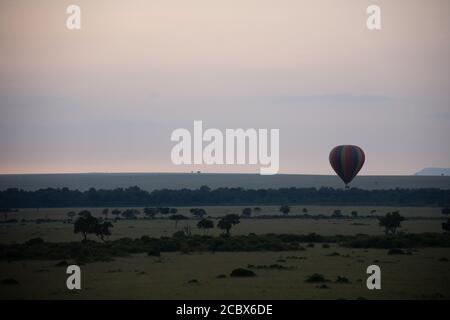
346, 161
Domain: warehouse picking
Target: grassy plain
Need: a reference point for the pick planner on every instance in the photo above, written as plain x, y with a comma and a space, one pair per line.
58, 231
425, 274
178, 276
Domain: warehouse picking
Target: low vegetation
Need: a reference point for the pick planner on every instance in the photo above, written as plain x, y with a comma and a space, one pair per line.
89, 250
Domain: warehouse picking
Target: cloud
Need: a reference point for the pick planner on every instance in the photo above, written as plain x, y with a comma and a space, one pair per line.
332, 99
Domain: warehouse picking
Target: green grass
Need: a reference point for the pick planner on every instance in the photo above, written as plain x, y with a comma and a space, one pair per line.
57, 231
417, 276
423, 275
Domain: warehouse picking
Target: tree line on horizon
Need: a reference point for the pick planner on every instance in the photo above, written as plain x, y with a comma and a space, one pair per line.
134, 196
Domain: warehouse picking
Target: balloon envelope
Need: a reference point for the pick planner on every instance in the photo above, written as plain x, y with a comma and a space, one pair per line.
346, 161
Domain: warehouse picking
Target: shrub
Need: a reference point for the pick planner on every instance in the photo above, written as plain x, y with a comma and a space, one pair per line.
34, 241
340, 279
154, 252
62, 263
179, 235
395, 251
193, 281
240, 272
316, 278
333, 254
10, 281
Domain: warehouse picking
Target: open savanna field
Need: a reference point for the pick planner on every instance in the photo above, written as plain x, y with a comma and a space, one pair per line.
419, 219
425, 274
416, 273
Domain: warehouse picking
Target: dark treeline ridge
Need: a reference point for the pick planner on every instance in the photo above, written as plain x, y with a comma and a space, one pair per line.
134, 196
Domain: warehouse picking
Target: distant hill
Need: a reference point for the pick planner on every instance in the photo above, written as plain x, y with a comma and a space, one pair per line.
433, 172
152, 181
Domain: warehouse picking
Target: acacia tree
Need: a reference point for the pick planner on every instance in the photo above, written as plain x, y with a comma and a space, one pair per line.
5, 212
71, 215
198, 212
164, 210
105, 213
205, 224
177, 217
285, 209
102, 229
131, 214
246, 212
337, 213
85, 224
446, 226
391, 221
227, 222
116, 212
150, 212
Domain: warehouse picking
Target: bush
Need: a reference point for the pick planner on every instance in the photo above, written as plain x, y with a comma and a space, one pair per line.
62, 263
34, 241
395, 251
240, 272
340, 279
193, 281
10, 281
316, 278
179, 234
154, 252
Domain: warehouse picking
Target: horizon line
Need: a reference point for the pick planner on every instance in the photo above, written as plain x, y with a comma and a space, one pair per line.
204, 173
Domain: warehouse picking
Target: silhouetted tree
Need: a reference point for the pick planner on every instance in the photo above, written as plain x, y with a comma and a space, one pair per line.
105, 213
354, 214
285, 209
391, 221
150, 212
337, 214
198, 212
5, 212
257, 209
304, 210
71, 215
116, 212
177, 217
130, 214
205, 224
445, 211
102, 229
446, 226
227, 222
173, 210
164, 210
85, 224
247, 212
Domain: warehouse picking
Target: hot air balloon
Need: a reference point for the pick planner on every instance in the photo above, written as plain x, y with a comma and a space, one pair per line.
346, 161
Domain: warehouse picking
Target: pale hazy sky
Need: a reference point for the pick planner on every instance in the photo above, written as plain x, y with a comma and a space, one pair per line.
107, 97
